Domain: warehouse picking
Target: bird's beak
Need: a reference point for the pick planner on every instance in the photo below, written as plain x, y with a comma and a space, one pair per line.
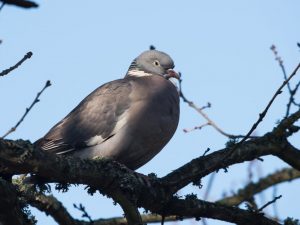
171, 73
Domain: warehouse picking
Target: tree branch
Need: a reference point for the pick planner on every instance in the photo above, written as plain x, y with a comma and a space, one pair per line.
291, 91
273, 143
51, 206
269, 203
204, 165
131, 211
264, 112
252, 189
27, 56
200, 111
10, 209
36, 100
193, 207
109, 176
21, 3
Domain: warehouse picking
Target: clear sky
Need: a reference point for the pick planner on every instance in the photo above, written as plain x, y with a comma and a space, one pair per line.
221, 47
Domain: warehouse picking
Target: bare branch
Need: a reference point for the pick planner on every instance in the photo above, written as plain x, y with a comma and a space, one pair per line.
276, 215
187, 130
280, 63
84, 212
21, 3
193, 207
264, 112
291, 91
36, 100
262, 115
277, 145
204, 115
27, 56
247, 192
109, 176
269, 203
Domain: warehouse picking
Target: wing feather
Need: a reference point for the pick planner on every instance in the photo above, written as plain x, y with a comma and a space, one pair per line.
93, 121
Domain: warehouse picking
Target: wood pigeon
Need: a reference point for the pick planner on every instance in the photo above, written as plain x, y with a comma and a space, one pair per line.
129, 120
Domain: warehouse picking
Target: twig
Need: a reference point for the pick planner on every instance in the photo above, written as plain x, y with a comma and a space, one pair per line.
294, 92
209, 185
274, 205
2, 5
292, 99
269, 203
291, 91
206, 151
200, 111
264, 112
187, 130
7, 71
261, 115
84, 212
21, 3
36, 100
280, 62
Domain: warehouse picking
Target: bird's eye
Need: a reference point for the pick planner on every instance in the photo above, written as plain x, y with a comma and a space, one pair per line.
156, 63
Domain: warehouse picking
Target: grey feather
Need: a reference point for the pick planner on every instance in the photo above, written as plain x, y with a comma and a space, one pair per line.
129, 120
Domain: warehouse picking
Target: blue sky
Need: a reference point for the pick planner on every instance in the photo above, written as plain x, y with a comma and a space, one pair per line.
221, 47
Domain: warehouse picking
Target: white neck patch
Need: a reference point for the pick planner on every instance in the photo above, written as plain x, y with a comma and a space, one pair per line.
138, 73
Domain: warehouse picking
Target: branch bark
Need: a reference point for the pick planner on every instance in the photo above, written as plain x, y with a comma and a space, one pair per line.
10, 208
109, 176
284, 175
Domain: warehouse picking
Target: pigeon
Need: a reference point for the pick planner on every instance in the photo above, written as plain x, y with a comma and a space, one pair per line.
128, 120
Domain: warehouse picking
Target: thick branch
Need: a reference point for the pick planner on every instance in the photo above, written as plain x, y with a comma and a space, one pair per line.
130, 209
51, 206
10, 209
197, 208
48, 204
151, 193
204, 165
286, 124
107, 176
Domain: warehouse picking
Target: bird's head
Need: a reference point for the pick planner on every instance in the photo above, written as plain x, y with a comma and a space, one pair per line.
153, 62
